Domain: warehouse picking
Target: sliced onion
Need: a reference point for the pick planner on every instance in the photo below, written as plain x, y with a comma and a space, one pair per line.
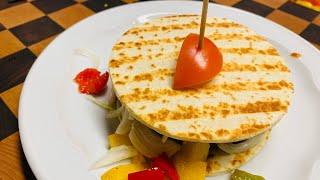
101, 104
111, 96
148, 142
125, 124
114, 113
114, 155
233, 148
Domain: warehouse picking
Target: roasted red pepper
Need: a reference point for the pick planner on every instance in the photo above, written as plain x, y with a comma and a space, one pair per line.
163, 162
91, 81
161, 169
149, 174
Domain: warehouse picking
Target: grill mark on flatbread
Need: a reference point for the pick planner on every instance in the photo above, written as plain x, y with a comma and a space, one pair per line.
180, 15
213, 99
191, 25
228, 77
249, 50
228, 67
222, 110
146, 94
174, 18
139, 44
252, 126
116, 63
245, 129
177, 39
123, 59
187, 18
225, 51
234, 67
160, 73
234, 37
181, 33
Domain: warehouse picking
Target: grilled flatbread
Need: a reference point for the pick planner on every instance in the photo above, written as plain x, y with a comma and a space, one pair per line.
250, 94
222, 162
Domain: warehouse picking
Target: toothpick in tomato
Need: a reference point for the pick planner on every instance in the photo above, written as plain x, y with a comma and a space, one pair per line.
196, 66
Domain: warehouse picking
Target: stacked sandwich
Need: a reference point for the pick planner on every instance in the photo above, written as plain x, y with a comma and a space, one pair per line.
223, 123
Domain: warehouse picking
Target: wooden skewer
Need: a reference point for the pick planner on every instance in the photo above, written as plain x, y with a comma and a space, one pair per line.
203, 22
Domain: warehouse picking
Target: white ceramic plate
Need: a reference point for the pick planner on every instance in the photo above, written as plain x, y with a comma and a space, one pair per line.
62, 133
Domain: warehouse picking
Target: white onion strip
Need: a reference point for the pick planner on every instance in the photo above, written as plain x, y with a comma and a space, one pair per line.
125, 123
148, 142
114, 155
101, 104
114, 113
233, 148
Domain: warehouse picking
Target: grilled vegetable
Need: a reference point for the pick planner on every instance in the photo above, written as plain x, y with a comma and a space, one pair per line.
162, 162
114, 113
148, 142
191, 170
161, 169
190, 161
139, 159
242, 175
148, 174
101, 104
125, 123
194, 151
114, 155
121, 172
233, 148
118, 140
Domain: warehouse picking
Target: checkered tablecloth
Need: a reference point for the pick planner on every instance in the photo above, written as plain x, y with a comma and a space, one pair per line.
27, 27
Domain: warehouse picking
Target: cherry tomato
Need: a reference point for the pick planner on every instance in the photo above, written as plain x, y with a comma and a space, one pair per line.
91, 81
196, 66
